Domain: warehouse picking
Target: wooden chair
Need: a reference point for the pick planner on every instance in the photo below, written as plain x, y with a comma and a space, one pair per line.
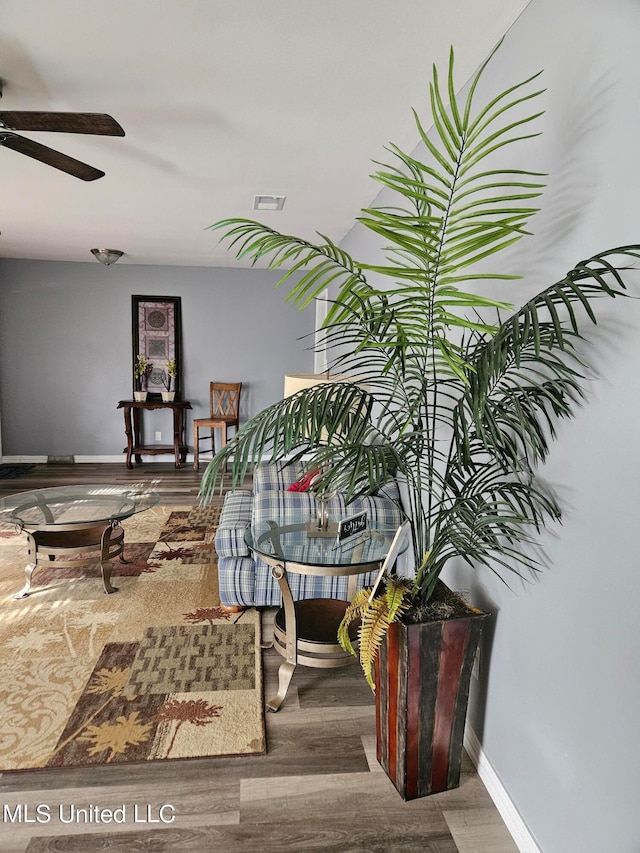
224, 405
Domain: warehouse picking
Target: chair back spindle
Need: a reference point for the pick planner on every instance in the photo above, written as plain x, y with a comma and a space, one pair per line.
224, 399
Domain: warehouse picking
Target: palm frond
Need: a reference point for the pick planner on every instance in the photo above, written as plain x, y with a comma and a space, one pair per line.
528, 374
325, 263
457, 394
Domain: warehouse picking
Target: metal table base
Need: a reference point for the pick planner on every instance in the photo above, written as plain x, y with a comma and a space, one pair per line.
100, 542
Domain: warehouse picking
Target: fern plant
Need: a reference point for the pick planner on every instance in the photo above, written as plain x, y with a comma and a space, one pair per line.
460, 392
374, 615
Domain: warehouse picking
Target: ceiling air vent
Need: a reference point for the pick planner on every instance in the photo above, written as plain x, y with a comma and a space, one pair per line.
268, 202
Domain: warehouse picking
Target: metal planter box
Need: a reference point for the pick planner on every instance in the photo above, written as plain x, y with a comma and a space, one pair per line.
423, 673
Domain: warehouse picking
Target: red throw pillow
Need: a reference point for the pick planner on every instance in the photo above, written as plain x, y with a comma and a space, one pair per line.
304, 483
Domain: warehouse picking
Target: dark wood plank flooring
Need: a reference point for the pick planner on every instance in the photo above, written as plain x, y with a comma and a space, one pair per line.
175, 485
318, 788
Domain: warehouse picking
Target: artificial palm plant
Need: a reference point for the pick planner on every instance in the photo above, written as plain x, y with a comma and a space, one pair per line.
458, 392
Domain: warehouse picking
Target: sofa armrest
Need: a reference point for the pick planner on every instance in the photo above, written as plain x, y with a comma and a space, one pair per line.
234, 520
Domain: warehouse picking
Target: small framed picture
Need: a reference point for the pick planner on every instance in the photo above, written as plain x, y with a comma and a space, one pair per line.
157, 340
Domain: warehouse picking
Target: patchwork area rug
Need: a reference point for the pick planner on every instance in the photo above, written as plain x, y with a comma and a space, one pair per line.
154, 671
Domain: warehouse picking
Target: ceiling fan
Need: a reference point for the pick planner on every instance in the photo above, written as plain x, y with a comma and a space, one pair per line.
94, 123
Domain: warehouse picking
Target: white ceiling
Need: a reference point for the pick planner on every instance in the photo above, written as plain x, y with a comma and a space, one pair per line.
220, 100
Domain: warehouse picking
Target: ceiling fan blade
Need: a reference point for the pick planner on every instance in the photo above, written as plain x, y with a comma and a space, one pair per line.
49, 156
96, 123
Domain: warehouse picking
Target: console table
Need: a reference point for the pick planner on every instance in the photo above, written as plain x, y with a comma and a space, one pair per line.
133, 429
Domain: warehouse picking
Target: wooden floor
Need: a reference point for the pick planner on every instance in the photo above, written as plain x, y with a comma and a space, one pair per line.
318, 788
175, 485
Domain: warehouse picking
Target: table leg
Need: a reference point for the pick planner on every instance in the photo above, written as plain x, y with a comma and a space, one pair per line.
105, 562
177, 434
137, 432
129, 433
285, 673
26, 589
29, 569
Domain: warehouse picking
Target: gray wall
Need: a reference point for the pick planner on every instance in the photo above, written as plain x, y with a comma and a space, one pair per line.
65, 348
558, 700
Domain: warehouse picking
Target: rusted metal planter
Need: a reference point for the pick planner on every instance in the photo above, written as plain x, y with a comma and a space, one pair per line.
422, 690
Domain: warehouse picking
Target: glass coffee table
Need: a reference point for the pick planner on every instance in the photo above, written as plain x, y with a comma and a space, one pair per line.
62, 522
305, 631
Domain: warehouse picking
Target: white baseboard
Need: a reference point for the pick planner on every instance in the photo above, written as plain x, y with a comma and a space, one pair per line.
14, 460
167, 457
88, 459
509, 813
42, 460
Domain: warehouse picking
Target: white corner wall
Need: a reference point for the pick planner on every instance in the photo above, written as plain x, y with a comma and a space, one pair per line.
557, 704
558, 701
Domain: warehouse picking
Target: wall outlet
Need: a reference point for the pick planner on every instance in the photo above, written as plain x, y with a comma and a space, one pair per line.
158, 436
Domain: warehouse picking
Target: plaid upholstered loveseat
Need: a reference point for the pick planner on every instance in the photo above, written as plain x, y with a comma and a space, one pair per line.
245, 580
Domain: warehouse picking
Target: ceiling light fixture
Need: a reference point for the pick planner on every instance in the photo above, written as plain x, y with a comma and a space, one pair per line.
268, 202
107, 256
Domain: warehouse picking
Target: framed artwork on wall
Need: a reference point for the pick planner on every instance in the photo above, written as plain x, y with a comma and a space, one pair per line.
157, 338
